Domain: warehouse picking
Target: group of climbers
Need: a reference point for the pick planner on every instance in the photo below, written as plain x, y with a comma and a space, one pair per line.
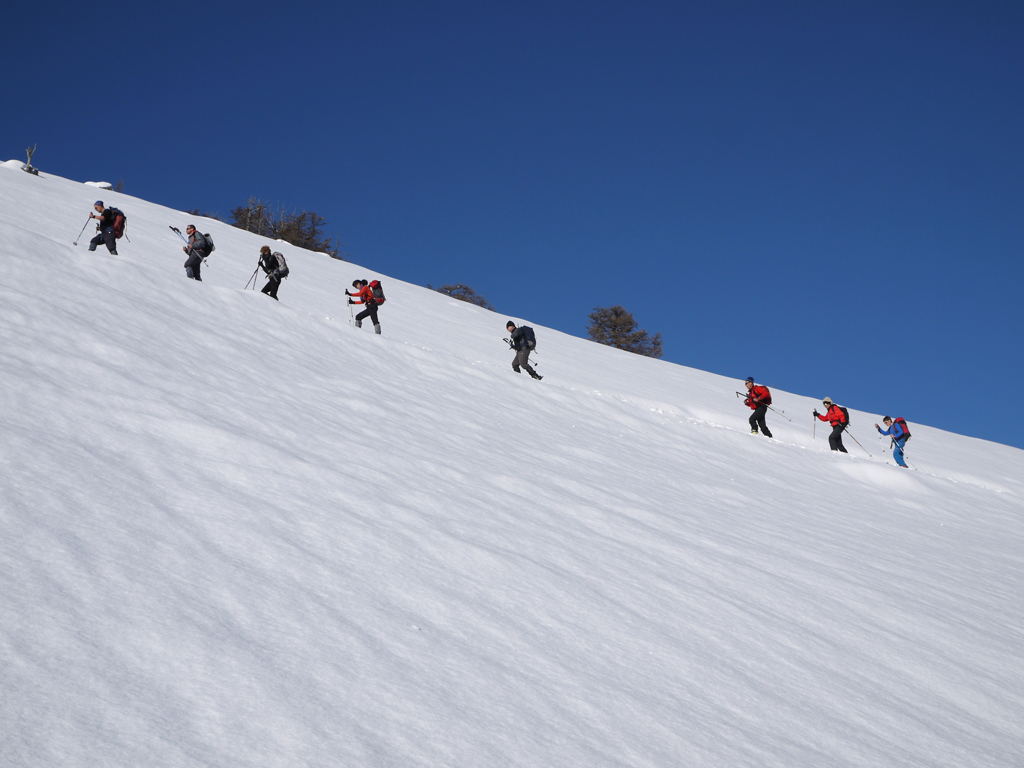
759, 398
198, 247
522, 339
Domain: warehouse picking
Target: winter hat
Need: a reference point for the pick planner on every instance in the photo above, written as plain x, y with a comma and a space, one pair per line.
355, 283
99, 203
750, 379
510, 324
828, 401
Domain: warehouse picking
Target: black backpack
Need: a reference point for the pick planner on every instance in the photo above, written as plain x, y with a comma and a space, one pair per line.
378, 291
531, 338
120, 222
846, 414
210, 247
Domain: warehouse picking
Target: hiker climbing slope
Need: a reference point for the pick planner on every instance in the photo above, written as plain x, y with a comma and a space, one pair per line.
837, 417
276, 269
758, 399
106, 226
196, 249
371, 295
523, 341
898, 431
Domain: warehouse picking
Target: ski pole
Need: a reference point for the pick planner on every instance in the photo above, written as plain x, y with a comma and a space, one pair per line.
847, 431
770, 408
252, 279
777, 410
780, 413
190, 248
815, 435
178, 233
83, 230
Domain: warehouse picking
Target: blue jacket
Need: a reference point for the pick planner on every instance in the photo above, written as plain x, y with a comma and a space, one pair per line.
895, 431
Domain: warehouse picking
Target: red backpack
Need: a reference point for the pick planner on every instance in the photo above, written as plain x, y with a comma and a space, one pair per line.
903, 423
377, 291
764, 393
120, 222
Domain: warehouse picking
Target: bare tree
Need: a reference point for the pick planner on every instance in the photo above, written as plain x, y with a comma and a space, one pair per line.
304, 230
615, 327
27, 167
255, 216
463, 293
197, 212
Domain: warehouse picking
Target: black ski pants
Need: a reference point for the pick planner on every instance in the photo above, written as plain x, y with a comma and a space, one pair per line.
107, 238
369, 312
757, 420
273, 283
193, 264
835, 440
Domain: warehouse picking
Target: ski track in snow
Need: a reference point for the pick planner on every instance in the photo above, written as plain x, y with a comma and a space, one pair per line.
243, 532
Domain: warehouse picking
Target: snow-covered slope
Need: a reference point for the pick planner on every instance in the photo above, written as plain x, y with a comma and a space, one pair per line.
242, 532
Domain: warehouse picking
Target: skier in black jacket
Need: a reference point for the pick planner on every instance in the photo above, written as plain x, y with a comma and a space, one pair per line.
523, 341
105, 227
274, 266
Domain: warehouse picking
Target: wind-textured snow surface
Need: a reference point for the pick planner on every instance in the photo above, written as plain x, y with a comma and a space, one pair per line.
243, 532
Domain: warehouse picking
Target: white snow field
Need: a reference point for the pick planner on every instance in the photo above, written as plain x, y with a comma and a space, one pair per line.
237, 532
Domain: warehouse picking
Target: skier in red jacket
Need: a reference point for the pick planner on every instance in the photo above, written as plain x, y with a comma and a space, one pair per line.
837, 419
758, 398
364, 295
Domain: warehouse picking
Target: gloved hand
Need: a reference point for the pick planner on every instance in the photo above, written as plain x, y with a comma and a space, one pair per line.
347, 293
816, 414
350, 301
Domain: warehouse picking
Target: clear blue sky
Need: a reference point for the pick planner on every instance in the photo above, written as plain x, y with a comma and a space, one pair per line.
826, 196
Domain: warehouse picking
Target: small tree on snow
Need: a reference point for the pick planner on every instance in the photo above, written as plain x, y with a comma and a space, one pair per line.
615, 327
303, 230
27, 167
463, 293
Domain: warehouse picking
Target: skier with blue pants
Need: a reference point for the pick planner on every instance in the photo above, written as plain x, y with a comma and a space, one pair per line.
899, 438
